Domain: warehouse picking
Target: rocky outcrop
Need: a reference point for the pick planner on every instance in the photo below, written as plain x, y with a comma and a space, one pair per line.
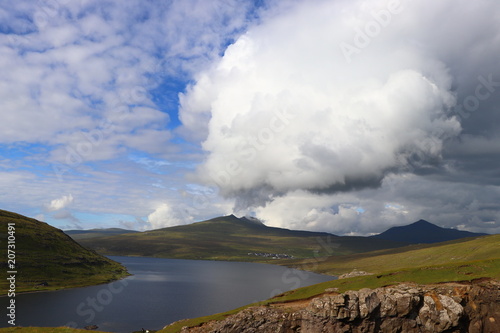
354, 273
451, 307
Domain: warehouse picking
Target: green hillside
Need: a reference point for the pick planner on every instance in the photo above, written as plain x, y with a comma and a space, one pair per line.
232, 238
463, 250
464, 260
48, 259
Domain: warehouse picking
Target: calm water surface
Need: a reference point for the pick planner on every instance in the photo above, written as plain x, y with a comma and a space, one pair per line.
160, 292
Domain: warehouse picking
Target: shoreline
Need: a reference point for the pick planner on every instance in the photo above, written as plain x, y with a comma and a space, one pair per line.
66, 288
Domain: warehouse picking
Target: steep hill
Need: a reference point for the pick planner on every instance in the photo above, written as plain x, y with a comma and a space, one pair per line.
232, 238
424, 232
46, 258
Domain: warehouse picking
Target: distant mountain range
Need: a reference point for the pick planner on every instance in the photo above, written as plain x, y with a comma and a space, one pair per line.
424, 232
233, 238
91, 233
247, 239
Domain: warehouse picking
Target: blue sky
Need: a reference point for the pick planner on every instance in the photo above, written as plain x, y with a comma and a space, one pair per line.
339, 116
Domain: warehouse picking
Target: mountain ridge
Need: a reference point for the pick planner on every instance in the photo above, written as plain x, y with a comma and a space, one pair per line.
244, 239
424, 232
232, 238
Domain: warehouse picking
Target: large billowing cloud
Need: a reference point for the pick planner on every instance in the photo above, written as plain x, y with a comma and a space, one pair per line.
334, 96
289, 111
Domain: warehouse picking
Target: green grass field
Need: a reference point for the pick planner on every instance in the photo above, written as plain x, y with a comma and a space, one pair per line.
463, 250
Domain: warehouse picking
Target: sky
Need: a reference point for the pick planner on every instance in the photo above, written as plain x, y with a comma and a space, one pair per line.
343, 116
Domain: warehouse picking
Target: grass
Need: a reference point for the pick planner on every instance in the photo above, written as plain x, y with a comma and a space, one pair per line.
455, 272
467, 249
48, 259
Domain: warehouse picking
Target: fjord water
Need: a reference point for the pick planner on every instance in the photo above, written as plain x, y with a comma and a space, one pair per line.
160, 292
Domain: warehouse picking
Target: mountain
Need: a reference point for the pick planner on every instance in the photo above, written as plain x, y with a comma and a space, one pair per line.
233, 238
46, 258
423, 232
91, 233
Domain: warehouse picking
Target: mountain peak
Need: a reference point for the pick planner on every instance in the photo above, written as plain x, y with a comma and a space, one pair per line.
246, 219
251, 219
233, 218
423, 231
423, 222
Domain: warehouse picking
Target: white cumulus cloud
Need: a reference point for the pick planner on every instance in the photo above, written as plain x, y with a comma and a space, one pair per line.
287, 111
165, 216
60, 203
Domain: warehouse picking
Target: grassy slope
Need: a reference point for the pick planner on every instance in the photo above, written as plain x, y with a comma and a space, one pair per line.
46, 254
450, 261
467, 249
230, 238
